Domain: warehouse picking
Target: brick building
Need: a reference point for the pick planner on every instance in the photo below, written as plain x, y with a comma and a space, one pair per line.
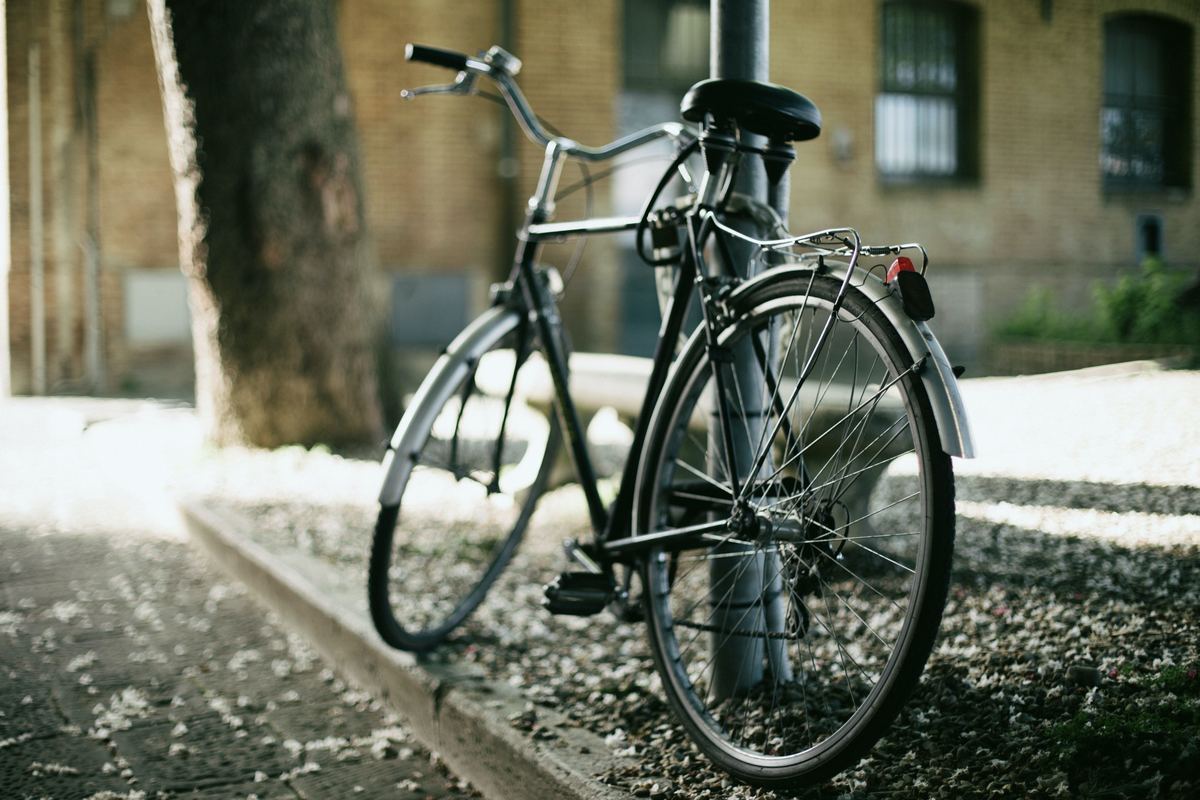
1025, 142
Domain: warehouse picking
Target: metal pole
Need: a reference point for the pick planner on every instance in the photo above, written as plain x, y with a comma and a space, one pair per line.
739, 48
63, 175
5, 229
508, 167
93, 332
37, 259
739, 31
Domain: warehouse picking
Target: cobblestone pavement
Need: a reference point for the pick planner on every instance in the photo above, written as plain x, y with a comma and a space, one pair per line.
130, 669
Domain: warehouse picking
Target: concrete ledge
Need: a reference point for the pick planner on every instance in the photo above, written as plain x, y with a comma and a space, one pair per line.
459, 714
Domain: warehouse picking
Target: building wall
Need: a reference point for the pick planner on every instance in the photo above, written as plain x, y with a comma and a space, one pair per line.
137, 220
435, 188
1038, 213
110, 190
39, 33
427, 163
572, 75
18, 33
1039, 198
430, 166
137, 199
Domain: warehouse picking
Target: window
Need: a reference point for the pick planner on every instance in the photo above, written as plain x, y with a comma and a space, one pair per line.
666, 44
1145, 124
665, 52
926, 110
1149, 234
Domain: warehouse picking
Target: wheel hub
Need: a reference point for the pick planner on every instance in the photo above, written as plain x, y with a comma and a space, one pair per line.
811, 540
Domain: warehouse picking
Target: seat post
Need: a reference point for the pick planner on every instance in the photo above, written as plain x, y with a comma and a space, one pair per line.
718, 145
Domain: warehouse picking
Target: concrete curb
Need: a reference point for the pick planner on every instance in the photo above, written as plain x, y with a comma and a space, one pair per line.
461, 716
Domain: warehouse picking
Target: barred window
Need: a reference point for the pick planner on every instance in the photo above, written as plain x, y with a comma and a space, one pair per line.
1145, 124
926, 109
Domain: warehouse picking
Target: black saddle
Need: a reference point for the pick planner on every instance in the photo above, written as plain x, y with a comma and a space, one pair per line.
764, 108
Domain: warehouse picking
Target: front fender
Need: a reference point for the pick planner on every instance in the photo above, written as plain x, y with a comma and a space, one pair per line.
949, 412
447, 373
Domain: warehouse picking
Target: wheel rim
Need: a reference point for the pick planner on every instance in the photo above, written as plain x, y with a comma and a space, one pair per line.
834, 589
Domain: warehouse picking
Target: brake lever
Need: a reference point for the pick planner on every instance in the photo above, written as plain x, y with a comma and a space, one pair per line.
463, 84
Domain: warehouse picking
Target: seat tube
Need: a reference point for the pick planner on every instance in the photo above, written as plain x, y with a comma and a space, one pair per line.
720, 165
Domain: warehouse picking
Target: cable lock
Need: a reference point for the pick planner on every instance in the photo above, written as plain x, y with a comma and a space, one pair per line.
648, 209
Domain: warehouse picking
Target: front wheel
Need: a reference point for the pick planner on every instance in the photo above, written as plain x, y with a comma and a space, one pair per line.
788, 644
477, 459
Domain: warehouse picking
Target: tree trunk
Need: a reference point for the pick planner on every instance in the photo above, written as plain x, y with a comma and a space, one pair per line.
272, 231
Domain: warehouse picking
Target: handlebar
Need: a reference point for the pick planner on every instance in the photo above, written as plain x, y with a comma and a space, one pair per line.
501, 67
436, 56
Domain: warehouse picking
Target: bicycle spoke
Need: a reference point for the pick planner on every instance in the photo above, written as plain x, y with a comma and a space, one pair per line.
832, 461
856, 577
733, 577
811, 442
893, 504
779, 384
820, 539
864, 623
892, 438
702, 476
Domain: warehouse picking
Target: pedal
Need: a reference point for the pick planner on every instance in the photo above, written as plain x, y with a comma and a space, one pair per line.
578, 594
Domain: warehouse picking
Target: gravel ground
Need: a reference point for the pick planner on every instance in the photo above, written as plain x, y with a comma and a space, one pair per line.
1067, 662
1066, 665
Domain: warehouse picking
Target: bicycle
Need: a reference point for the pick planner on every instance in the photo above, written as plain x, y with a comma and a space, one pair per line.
788, 616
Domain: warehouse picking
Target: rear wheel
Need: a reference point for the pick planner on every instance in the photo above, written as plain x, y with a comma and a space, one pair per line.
482, 461
788, 645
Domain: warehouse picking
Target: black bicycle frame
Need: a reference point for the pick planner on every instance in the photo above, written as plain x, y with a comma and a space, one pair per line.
611, 526
535, 297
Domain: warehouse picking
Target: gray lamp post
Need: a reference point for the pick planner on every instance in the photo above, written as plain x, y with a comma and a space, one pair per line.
750, 599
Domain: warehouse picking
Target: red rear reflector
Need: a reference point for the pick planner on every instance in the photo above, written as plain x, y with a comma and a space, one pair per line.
901, 264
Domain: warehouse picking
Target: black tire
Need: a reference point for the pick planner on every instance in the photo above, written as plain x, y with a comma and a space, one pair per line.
794, 712
433, 565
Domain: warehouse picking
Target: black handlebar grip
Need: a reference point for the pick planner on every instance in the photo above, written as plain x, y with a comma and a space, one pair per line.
436, 55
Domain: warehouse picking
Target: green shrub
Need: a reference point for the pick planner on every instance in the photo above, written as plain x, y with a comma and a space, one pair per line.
1040, 320
1141, 307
